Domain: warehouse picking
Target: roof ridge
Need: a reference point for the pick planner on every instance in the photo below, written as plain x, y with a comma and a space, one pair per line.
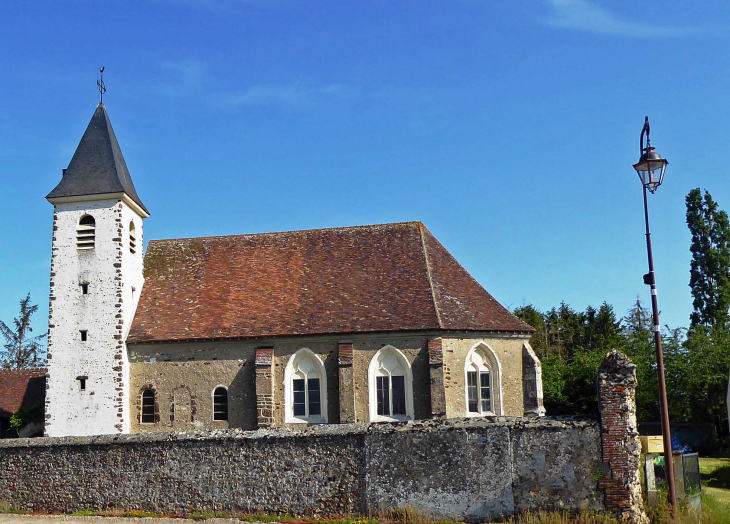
364, 226
421, 227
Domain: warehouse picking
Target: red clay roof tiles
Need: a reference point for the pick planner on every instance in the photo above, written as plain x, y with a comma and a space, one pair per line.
21, 388
391, 277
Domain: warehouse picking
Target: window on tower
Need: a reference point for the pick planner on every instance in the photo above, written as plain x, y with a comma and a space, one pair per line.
132, 239
86, 233
84, 289
84, 335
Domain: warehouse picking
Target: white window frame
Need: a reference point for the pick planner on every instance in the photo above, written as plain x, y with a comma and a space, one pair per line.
490, 363
376, 369
228, 404
290, 373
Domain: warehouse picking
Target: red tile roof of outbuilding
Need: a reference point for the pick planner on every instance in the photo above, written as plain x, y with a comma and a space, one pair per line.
390, 277
21, 388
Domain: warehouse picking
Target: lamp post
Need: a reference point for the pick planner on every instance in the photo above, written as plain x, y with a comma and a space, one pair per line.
650, 168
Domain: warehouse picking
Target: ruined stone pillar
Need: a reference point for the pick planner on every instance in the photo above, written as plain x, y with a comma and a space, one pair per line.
621, 450
265, 386
531, 383
345, 357
438, 390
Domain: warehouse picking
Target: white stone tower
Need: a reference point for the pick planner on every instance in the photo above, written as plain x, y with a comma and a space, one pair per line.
96, 280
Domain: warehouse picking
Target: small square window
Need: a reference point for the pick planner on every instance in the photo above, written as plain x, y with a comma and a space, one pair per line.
84, 289
82, 382
83, 335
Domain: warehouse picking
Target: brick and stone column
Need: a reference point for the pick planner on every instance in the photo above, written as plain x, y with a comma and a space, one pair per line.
265, 386
345, 357
621, 451
531, 383
438, 390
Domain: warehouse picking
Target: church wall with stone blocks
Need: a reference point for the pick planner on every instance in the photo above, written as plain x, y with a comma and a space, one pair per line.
184, 377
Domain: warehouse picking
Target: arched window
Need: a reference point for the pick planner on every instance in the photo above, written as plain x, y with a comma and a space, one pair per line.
86, 233
220, 403
481, 375
391, 386
305, 389
148, 406
132, 239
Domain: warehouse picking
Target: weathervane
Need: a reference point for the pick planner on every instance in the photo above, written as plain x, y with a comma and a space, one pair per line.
101, 86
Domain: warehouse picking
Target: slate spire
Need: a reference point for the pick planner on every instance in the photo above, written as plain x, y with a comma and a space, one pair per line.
97, 166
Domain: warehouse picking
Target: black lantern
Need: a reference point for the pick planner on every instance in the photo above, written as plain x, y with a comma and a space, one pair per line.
651, 165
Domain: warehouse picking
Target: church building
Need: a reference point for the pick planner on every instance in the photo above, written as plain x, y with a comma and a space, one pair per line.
325, 326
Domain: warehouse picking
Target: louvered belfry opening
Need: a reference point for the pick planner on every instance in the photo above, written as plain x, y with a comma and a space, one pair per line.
86, 233
132, 239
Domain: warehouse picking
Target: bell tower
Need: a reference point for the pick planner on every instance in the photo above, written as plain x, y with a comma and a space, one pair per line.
96, 280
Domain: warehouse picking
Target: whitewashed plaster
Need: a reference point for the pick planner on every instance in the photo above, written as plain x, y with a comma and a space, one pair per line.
105, 313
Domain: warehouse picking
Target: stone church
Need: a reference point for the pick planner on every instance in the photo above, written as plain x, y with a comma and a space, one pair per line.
326, 326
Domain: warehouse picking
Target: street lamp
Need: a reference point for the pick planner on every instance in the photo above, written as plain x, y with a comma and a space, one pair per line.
650, 168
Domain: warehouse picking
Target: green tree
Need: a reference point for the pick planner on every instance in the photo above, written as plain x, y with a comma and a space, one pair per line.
534, 317
640, 348
22, 350
571, 345
704, 382
710, 266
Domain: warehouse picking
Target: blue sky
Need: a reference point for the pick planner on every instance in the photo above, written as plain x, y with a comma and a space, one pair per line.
508, 128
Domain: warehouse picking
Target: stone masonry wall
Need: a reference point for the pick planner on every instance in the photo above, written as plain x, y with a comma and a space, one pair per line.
200, 378
466, 469
620, 437
201, 366
508, 351
470, 469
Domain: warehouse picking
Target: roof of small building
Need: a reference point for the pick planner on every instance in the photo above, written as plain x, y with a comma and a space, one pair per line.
390, 277
21, 388
97, 166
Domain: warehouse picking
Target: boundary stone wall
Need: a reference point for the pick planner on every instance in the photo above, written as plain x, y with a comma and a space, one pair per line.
465, 469
470, 469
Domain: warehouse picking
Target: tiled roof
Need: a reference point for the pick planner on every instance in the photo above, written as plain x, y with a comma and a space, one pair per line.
391, 277
21, 388
97, 166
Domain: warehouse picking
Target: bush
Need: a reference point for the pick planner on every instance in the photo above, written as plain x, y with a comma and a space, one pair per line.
25, 416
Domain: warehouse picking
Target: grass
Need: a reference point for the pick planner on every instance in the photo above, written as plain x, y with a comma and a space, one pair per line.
288, 519
264, 518
556, 517
715, 473
6, 507
87, 512
141, 514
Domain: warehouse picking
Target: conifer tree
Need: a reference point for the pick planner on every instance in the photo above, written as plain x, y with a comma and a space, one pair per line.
22, 350
710, 266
